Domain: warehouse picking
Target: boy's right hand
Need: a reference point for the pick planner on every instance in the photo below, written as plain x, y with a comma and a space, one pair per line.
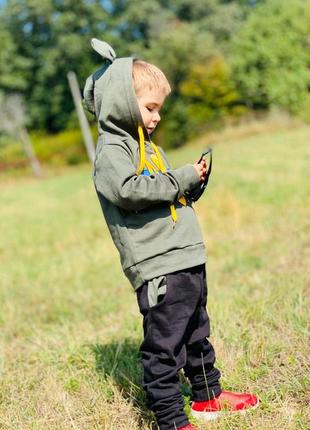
201, 169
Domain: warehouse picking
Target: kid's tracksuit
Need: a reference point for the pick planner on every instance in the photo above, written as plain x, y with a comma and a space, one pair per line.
163, 257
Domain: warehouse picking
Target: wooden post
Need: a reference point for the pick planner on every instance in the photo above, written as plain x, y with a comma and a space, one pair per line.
88, 139
28, 148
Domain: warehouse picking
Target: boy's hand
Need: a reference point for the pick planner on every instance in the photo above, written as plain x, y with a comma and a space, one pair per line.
201, 169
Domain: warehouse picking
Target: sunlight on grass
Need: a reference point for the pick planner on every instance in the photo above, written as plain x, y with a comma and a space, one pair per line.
70, 327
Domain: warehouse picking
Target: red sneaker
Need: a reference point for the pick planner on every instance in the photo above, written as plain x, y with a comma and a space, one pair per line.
187, 427
225, 403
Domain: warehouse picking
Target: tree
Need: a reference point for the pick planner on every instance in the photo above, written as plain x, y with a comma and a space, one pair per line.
178, 37
208, 93
12, 66
53, 35
44, 39
270, 55
186, 46
13, 121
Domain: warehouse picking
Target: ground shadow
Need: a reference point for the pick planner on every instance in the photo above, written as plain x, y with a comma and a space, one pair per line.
120, 360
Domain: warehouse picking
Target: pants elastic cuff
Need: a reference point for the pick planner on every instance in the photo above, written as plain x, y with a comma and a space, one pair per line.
207, 394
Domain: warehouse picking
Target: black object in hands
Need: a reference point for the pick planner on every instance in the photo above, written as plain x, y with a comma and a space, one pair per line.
197, 192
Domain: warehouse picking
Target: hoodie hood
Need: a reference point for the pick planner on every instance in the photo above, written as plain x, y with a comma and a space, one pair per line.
109, 94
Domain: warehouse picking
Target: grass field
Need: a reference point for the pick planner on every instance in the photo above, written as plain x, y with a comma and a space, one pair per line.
69, 323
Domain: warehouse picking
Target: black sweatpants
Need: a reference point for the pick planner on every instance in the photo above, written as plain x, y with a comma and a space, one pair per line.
176, 327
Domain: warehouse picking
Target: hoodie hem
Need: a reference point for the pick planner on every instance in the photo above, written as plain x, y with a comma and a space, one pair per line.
163, 264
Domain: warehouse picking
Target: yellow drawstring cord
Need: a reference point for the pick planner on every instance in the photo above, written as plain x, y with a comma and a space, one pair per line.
158, 162
142, 151
163, 169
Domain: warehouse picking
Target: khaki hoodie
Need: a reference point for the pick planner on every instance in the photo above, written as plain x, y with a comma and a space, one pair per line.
136, 207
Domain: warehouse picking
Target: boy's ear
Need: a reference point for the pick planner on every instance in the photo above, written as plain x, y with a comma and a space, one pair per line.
104, 49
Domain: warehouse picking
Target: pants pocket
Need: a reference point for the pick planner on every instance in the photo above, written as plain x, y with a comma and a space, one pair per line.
156, 290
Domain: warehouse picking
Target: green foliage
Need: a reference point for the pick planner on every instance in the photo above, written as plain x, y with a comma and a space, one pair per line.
193, 37
11, 154
59, 149
271, 55
208, 93
205, 96
265, 42
63, 148
53, 36
184, 43
12, 66
174, 127
217, 18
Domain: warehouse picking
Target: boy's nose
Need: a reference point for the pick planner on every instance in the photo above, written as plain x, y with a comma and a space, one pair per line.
156, 117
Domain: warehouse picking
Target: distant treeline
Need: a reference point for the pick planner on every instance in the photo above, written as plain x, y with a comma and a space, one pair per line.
222, 57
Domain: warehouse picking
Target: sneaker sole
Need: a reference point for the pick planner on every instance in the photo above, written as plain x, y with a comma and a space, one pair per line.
210, 416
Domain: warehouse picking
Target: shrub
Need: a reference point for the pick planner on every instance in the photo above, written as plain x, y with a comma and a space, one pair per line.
208, 93
270, 55
58, 149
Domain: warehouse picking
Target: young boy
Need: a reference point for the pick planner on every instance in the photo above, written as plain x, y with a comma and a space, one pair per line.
148, 209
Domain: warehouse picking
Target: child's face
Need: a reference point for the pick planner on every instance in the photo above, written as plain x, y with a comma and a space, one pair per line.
150, 103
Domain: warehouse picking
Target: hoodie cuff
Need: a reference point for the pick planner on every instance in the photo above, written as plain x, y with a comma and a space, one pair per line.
187, 178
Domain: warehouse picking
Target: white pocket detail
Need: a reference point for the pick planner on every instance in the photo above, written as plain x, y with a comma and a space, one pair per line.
155, 288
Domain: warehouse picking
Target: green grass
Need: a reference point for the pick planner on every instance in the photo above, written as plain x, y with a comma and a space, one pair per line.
69, 323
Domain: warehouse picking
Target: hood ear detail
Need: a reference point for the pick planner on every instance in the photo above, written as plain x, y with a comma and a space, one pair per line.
109, 93
107, 52
104, 49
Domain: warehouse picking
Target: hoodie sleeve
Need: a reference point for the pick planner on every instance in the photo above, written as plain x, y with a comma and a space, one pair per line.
116, 179
195, 190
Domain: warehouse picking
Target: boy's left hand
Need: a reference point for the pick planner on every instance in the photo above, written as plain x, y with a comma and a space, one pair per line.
201, 169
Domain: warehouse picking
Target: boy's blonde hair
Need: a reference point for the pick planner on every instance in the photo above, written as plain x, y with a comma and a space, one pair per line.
148, 76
